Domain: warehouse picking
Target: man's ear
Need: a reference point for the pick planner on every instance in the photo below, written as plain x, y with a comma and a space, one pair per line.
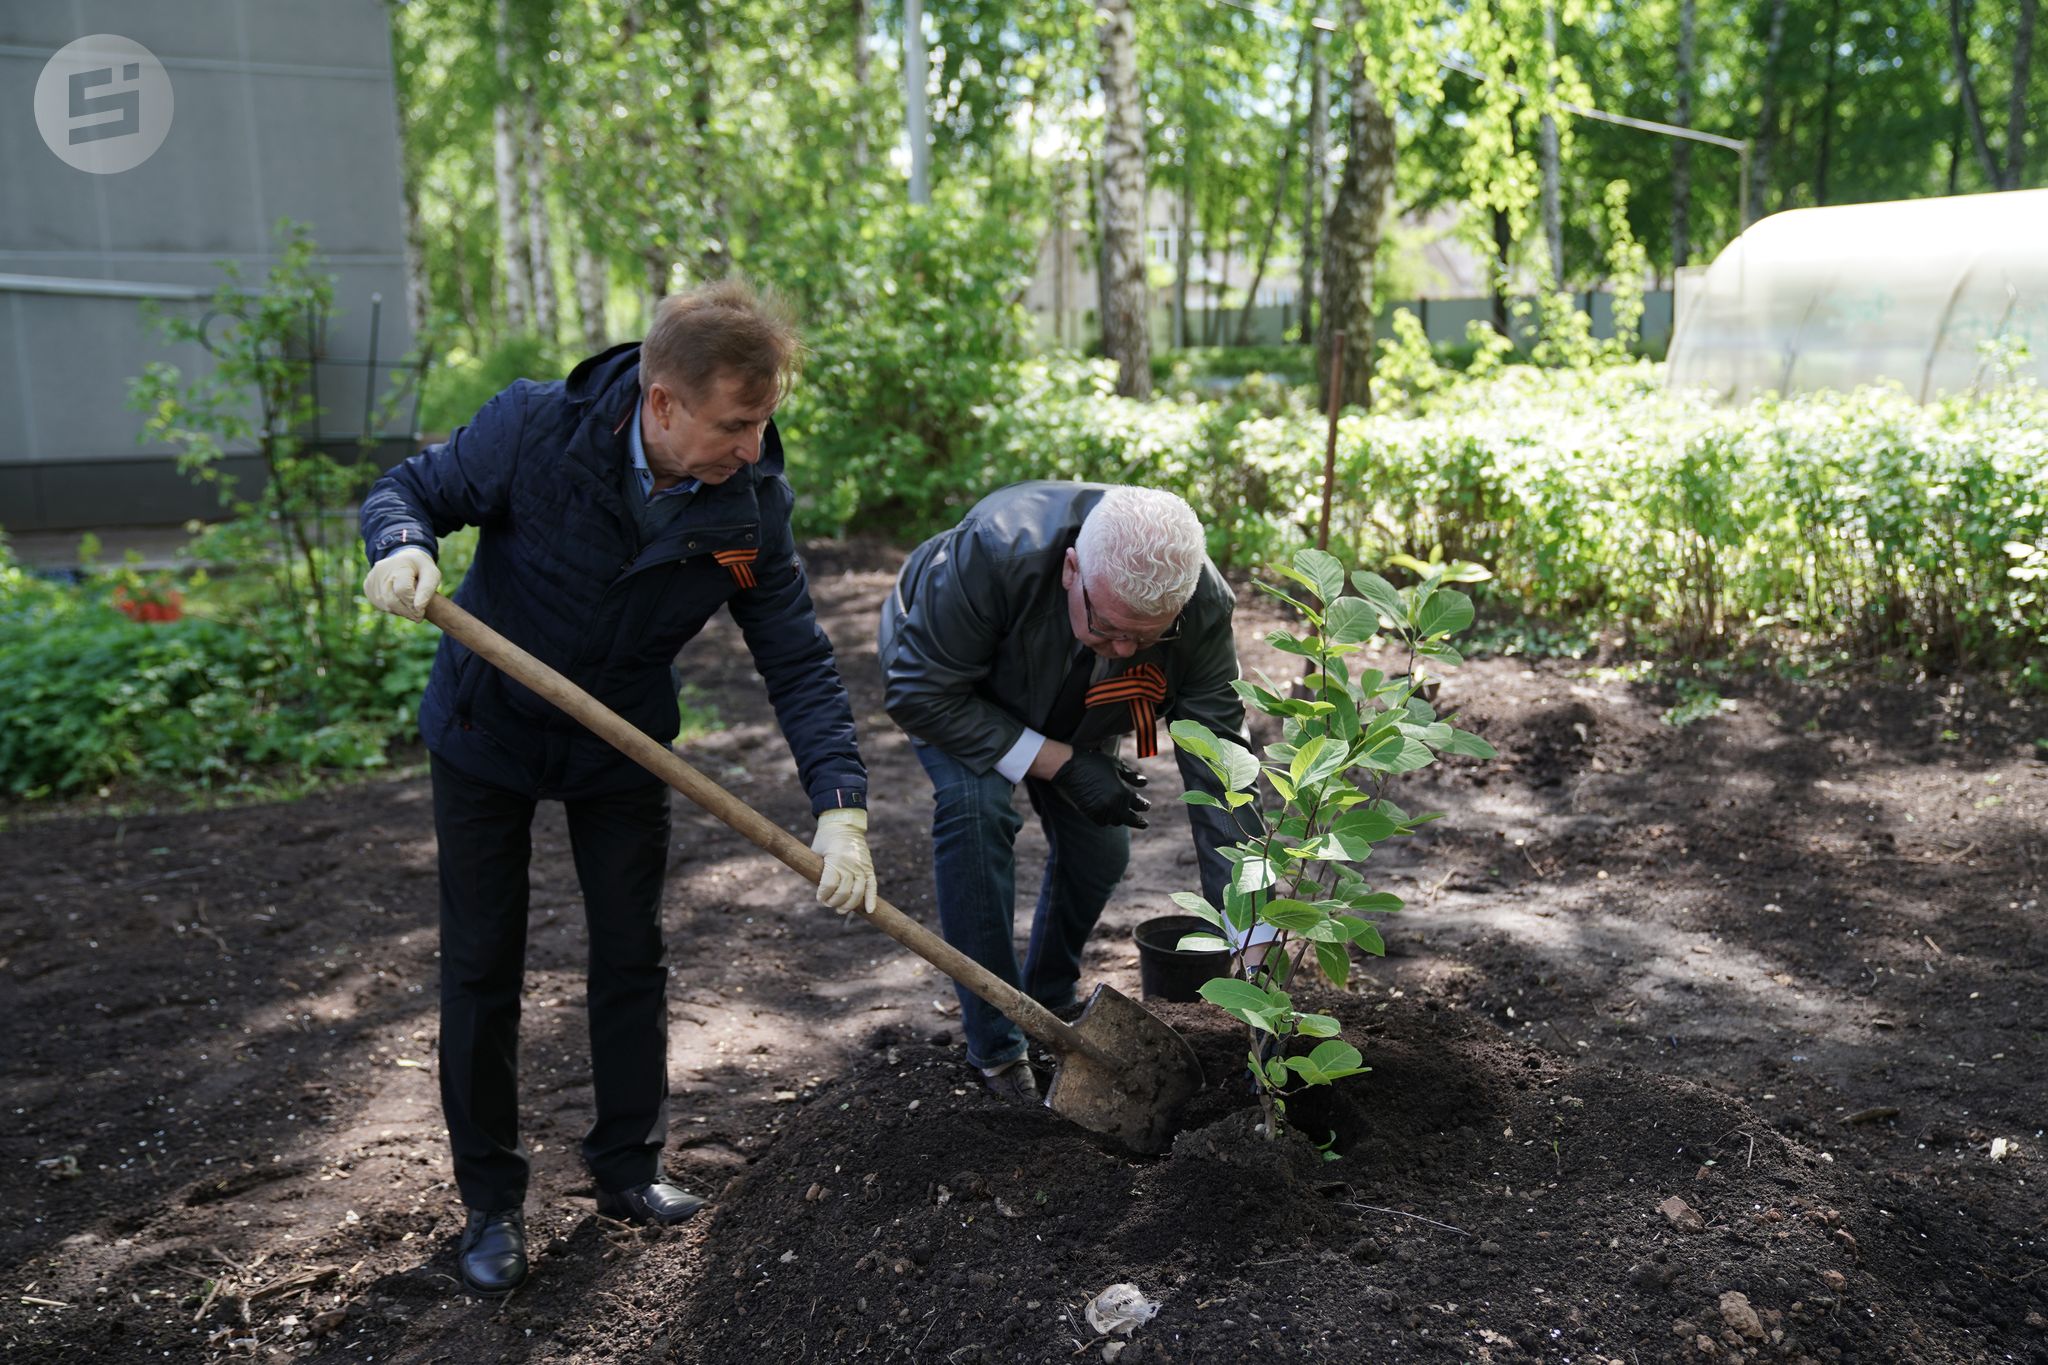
1069, 566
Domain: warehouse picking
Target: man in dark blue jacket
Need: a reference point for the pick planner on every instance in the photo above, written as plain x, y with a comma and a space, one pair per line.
619, 510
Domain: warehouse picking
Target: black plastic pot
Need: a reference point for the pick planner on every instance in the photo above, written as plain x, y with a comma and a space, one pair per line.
1167, 973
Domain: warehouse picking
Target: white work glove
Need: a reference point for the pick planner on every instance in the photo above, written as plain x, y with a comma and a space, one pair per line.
403, 582
849, 876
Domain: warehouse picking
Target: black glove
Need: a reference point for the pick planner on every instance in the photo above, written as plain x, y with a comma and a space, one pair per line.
1103, 788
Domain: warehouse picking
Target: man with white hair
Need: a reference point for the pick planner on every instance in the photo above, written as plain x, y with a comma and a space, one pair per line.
1020, 647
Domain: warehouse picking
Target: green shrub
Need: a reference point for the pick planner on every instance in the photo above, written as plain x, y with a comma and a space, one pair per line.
913, 331
1860, 521
96, 698
460, 383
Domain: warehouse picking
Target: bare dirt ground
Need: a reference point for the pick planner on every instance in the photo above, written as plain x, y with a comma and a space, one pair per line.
1785, 965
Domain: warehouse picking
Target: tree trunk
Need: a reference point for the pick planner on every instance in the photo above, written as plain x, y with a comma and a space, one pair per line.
1125, 323
1183, 255
714, 255
1551, 156
516, 283
1061, 251
1681, 149
591, 279
658, 269
1767, 115
1955, 151
2016, 103
1503, 247
1098, 195
1251, 297
859, 149
1959, 44
1219, 289
1316, 178
546, 302
1827, 106
1357, 220
417, 290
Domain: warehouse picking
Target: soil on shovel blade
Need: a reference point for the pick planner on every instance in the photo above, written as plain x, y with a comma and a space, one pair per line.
1710, 1042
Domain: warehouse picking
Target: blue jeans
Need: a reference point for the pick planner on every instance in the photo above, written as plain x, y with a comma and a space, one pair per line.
974, 866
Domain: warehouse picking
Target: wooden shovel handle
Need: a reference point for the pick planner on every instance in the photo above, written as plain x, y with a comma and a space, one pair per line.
1034, 1018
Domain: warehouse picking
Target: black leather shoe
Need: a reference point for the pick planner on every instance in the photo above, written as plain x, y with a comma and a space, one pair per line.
659, 1203
492, 1256
1012, 1082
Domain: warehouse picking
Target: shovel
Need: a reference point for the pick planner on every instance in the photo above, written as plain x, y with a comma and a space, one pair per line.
1120, 1070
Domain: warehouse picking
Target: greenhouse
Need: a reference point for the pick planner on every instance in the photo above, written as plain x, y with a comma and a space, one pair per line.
1935, 295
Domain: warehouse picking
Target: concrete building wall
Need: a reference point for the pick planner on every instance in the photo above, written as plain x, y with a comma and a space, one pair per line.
281, 109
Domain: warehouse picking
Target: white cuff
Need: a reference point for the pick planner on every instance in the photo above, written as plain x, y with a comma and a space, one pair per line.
1016, 763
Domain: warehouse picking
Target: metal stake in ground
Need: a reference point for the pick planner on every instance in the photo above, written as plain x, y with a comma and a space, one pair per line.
1120, 1069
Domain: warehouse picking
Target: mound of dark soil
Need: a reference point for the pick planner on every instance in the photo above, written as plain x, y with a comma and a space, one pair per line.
1493, 1201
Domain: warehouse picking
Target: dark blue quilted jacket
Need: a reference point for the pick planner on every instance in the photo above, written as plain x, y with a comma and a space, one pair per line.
560, 570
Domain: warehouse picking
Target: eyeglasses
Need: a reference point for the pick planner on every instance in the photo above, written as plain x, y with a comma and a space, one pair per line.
1124, 637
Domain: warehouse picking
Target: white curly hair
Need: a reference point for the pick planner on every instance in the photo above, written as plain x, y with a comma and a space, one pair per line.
1145, 547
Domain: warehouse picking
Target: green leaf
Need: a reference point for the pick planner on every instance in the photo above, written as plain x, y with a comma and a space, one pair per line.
1362, 825
1344, 721
1238, 907
1335, 962
1288, 643
1405, 755
1435, 734
1196, 906
1446, 612
1330, 759
1202, 943
1291, 600
1330, 930
1240, 769
1374, 903
1251, 693
1352, 621
1382, 595
1366, 936
1470, 745
1304, 756
1292, 915
1382, 746
1324, 570
1240, 998
1321, 1068
1317, 1026
1288, 571
1281, 784
1199, 799
1276, 1073
1196, 738
1336, 1055
1254, 874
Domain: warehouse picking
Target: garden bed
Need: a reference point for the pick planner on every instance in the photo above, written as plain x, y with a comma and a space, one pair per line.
1784, 964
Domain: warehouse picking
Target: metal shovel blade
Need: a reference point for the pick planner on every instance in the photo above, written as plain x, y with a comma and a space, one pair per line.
1132, 1079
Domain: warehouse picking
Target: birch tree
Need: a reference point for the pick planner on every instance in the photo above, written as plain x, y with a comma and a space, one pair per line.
1126, 307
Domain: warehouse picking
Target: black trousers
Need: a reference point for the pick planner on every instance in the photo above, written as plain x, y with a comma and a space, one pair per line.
620, 844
